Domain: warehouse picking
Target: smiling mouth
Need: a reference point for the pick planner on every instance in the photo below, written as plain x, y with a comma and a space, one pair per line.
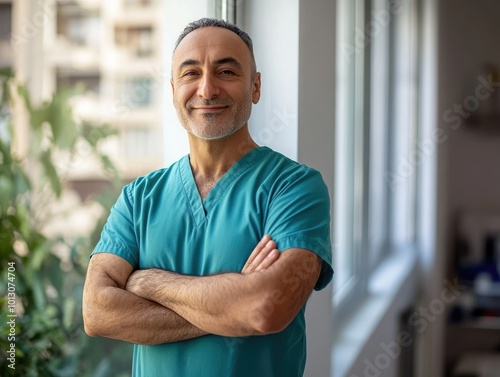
210, 109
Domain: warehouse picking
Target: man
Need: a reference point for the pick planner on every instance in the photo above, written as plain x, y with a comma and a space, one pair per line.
207, 265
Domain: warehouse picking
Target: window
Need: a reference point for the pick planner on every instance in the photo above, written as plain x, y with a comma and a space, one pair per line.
68, 78
376, 132
140, 142
348, 161
6, 53
5, 21
113, 50
136, 92
137, 40
80, 26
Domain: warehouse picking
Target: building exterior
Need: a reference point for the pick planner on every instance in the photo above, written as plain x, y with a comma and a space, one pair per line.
112, 52
6, 52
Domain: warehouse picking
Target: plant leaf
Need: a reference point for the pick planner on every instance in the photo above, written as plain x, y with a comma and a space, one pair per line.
23, 92
60, 117
94, 134
50, 172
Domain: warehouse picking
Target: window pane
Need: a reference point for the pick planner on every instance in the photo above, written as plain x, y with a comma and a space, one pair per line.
377, 194
135, 40
6, 52
345, 169
403, 166
78, 25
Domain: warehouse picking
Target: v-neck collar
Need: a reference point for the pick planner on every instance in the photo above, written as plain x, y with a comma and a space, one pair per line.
201, 208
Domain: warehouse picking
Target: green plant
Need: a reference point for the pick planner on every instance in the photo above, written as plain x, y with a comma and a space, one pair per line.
44, 274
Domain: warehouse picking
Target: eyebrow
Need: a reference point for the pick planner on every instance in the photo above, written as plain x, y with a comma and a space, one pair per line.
227, 60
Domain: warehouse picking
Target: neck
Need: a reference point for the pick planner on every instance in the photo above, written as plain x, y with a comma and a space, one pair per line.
211, 159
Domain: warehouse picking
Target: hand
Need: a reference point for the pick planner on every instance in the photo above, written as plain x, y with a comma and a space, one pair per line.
262, 257
138, 281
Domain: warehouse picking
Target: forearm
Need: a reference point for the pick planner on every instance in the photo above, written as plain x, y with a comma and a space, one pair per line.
227, 304
255, 302
114, 313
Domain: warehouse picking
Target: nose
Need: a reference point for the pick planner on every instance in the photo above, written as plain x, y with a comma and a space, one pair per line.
208, 88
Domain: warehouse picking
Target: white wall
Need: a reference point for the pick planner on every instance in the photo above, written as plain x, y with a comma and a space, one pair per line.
273, 27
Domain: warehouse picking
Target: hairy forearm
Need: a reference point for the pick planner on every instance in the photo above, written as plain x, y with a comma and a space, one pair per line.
115, 313
254, 302
227, 304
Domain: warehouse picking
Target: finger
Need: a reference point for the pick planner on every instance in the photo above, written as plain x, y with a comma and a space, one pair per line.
261, 256
272, 257
262, 243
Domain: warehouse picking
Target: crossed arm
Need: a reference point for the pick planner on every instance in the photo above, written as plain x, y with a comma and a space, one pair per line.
156, 306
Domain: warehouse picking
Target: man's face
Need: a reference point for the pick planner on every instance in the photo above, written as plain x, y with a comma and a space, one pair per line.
212, 83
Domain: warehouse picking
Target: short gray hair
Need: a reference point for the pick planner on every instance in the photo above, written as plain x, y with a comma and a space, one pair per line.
213, 22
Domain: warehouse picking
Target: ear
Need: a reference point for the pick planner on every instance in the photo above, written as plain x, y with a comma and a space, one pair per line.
172, 85
256, 88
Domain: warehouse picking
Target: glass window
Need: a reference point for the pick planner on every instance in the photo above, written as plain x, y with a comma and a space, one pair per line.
137, 40
349, 152
379, 135
6, 52
403, 119
80, 26
140, 142
376, 133
5, 21
136, 92
68, 78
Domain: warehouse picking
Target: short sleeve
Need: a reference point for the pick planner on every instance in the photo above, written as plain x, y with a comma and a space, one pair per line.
299, 217
118, 235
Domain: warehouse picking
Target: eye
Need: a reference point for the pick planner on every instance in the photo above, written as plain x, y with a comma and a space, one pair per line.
227, 72
189, 73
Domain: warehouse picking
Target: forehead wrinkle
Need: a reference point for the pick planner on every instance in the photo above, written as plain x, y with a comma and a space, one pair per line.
199, 44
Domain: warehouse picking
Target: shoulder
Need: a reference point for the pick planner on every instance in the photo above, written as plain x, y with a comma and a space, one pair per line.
285, 164
288, 173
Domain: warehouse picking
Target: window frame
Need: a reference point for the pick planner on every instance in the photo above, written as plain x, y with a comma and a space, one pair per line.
350, 292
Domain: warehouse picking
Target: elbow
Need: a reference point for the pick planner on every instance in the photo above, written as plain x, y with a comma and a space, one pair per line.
90, 325
272, 324
266, 326
90, 330
92, 317
269, 317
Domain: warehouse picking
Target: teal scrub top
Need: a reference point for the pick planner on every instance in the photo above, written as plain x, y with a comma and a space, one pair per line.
160, 221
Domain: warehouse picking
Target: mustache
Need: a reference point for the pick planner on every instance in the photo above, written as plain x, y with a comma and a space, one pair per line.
210, 102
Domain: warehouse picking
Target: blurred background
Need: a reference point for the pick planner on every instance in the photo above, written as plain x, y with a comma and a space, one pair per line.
396, 102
